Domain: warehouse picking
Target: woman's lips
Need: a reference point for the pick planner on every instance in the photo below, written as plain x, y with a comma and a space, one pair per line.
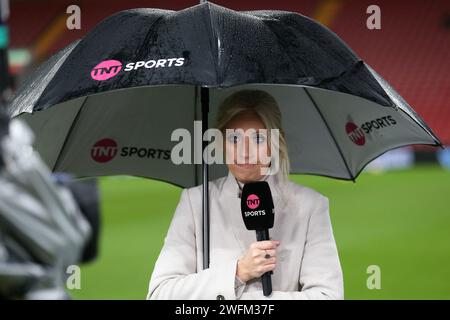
246, 165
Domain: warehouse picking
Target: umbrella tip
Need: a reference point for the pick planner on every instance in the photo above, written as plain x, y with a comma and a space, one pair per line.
438, 143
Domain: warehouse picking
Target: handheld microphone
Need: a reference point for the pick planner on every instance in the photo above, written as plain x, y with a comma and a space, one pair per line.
258, 214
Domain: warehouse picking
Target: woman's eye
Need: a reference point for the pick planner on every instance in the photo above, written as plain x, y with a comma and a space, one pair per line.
233, 138
259, 138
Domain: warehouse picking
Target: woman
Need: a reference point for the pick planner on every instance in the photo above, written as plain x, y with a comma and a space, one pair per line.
302, 253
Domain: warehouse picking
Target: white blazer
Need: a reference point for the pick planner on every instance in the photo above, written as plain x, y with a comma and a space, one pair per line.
308, 264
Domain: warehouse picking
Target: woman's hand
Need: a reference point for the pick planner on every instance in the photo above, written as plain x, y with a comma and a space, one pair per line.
255, 263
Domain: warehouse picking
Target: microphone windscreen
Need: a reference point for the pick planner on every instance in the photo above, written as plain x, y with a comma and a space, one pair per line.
257, 206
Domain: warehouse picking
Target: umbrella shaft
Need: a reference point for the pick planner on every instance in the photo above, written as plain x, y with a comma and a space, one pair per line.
204, 96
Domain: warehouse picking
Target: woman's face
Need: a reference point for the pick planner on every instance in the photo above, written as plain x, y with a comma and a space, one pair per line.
244, 151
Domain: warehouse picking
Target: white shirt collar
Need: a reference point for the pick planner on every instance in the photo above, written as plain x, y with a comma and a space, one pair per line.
241, 184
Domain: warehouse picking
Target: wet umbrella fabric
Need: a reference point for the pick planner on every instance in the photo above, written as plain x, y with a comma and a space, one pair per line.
108, 103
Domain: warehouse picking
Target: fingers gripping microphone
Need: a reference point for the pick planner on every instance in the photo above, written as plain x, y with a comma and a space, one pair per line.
258, 214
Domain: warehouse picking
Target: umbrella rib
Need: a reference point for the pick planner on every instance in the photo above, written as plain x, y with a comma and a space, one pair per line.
331, 133
58, 159
437, 141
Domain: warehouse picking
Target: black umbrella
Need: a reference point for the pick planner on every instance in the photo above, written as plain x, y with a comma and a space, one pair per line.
108, 103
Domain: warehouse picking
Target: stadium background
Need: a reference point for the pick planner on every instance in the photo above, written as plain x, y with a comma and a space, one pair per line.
397, 214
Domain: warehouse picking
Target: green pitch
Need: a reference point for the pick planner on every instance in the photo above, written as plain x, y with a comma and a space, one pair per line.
398, 221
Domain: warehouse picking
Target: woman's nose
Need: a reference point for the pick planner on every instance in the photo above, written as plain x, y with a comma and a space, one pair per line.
248, 153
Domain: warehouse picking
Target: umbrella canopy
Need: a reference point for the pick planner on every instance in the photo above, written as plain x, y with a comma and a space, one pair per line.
336, 108
108, 103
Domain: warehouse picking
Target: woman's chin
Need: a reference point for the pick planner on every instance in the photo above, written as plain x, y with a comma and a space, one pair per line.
246, 172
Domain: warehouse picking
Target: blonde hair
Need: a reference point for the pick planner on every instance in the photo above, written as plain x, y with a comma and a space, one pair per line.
266, 107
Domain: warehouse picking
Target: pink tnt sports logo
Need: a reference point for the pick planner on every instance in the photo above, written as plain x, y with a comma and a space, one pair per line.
355, 134
104, 150
253, 201
106, 70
